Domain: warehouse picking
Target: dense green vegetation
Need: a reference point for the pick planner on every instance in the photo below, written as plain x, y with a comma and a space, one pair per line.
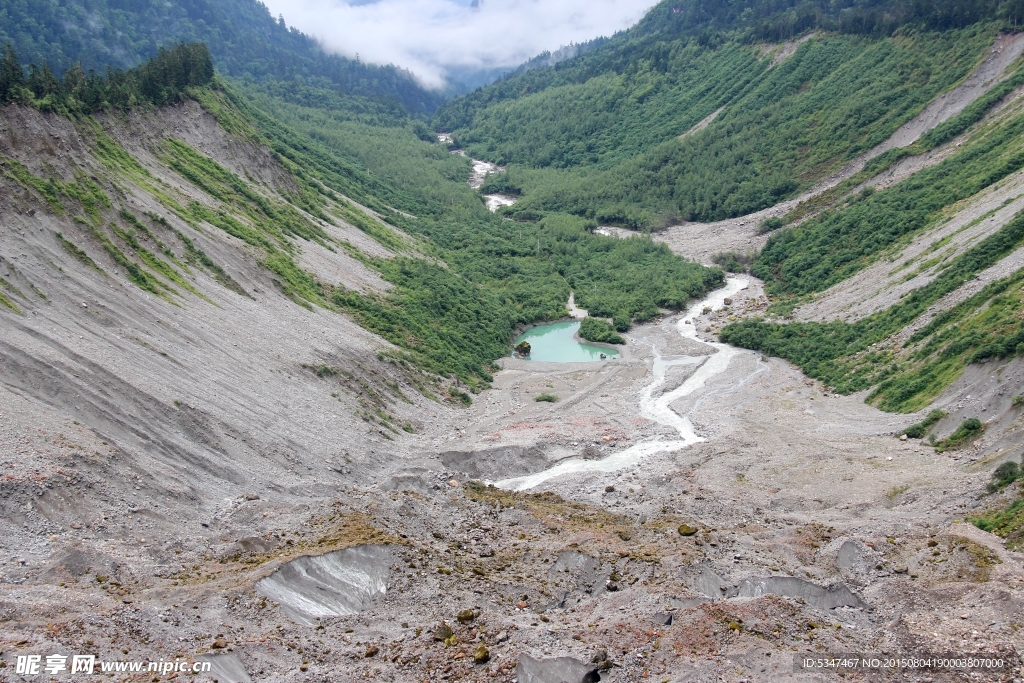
625, 157
162, 80
501, 274
245, 40
628, 154
1008, 522
597, 330
857, 231
713, 23
834, 246
967, 430
446, 324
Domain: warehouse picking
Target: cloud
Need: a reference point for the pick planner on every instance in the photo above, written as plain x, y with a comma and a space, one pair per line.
432, 37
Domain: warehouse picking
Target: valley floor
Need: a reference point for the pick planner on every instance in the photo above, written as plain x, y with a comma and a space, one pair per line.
789, 481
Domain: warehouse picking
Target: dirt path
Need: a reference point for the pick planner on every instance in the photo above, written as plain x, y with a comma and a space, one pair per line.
574, 310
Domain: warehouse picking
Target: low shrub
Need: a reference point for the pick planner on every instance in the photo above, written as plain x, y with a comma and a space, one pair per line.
597, 330
1006, 474
918, 430
734, 261
1008, 523
460, 396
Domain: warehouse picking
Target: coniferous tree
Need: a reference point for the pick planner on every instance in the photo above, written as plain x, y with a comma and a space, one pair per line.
12, 77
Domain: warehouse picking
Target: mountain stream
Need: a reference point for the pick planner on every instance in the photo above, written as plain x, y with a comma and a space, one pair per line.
657, 409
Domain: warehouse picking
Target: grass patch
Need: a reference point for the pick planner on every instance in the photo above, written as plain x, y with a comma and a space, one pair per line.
546, 398
7, 303
78, 253
1008, 523
852, 356
142, 278
896, 491
967, 430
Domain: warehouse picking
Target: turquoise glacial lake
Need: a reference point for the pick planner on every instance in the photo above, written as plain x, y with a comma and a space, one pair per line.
554, 343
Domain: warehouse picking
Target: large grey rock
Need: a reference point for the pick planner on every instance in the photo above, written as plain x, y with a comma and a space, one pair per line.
496, 463
335, 584
556, 670
852, 556
708, 583
579, 575
837, 595
580, 567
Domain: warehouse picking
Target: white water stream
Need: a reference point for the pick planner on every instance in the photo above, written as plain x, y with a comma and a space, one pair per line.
656, 409
481, 169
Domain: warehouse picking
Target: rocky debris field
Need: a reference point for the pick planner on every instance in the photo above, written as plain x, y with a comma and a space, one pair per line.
801, 525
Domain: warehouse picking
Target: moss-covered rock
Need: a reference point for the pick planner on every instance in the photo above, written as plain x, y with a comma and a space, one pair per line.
443, 632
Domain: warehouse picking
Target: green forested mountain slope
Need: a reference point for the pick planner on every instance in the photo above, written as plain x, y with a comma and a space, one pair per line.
246, 42
602, 136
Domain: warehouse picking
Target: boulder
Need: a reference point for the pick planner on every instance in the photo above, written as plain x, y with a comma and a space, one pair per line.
443, 632
555, 670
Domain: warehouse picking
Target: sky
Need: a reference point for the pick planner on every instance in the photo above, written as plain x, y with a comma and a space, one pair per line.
433, 38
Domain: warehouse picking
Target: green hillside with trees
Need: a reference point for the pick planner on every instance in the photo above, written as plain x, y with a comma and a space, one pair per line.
624, 156
246, 43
